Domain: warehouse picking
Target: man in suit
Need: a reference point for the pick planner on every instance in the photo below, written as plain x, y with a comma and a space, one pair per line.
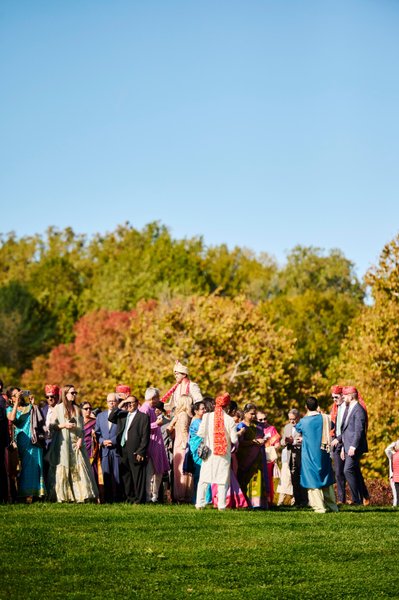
52, 394
291, 440
336, 414
106, 434
354, 443
132, 440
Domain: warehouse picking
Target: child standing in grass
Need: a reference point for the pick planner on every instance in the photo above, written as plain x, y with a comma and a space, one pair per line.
392, 452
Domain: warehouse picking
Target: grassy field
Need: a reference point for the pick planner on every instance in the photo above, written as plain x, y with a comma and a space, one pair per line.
122, 551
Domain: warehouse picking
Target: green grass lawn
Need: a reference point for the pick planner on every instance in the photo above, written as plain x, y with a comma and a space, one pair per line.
122, 551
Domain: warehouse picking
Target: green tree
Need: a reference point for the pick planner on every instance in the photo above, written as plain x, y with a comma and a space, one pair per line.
26, 327
316, 297
369, 357
228, 344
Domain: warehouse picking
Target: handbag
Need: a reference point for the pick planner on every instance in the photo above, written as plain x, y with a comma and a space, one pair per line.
203, 451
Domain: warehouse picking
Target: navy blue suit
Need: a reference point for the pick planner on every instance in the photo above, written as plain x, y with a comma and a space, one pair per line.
353, 433
110, 460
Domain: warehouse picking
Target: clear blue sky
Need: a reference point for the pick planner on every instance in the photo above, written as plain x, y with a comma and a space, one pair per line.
260, 123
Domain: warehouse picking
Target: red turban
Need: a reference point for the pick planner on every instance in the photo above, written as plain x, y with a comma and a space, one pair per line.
122, 389
219, 436
52, 390
336, 389
349, 389
223, 400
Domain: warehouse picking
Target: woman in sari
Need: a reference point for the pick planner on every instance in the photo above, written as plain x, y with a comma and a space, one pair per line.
91, 443
71, 477
27, 420
272, 443
194, 442
251, 457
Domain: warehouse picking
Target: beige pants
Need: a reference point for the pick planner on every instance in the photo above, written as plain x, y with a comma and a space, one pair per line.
323, 498
152, 482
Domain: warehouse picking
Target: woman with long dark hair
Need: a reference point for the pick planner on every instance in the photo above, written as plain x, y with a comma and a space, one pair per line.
252, 462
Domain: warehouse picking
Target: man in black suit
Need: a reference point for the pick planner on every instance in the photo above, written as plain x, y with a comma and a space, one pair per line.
354, 443
132, 439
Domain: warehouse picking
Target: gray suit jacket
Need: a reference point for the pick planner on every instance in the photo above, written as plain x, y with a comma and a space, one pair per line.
287, 432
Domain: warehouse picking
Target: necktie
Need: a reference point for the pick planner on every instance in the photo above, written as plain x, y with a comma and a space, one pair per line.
127, 424
345, 415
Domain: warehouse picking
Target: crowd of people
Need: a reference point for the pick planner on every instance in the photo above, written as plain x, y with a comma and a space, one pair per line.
184, 448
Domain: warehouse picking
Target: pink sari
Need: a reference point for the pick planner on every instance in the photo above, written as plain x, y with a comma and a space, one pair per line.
273, 440
235, 498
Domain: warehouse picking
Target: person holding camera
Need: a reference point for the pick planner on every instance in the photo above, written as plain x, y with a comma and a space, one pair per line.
29, 436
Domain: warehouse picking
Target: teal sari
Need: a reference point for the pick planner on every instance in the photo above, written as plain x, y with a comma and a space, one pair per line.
31, 476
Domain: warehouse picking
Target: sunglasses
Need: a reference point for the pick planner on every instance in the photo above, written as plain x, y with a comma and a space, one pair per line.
336, 397
86, 407
262, 420
73, 393
49, 397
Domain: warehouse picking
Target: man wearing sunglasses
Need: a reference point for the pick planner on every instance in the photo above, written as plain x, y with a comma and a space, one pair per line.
52, 394
132, 440
336, 414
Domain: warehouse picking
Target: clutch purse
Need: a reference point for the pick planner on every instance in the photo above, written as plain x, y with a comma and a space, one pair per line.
203, 451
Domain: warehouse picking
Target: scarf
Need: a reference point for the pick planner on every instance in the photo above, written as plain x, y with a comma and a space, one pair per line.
219, 435
173, 389
37, 436
325, 436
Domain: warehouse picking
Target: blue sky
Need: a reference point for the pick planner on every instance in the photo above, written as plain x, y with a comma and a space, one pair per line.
263, 124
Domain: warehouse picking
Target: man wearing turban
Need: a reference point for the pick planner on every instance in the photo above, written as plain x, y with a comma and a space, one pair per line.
219, 432
183, 387
354, 443
336, 414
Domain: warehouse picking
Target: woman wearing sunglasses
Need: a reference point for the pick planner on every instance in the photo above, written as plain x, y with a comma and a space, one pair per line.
70, 477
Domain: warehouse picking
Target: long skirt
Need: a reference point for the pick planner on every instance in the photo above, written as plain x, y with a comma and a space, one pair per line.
31, 476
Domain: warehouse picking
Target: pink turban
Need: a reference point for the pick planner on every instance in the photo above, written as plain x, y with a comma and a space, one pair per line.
122, 389
52, 390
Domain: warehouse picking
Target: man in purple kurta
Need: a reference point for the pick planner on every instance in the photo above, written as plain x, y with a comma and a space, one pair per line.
157, 463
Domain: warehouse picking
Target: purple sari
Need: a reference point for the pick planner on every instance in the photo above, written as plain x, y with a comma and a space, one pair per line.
91, 445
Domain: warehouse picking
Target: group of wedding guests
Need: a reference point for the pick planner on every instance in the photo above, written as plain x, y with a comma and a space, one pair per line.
180, 447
